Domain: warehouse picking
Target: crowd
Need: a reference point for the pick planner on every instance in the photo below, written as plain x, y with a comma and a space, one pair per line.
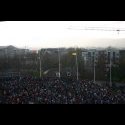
29, 90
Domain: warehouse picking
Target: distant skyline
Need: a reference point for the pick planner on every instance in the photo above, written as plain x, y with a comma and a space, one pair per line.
41, 34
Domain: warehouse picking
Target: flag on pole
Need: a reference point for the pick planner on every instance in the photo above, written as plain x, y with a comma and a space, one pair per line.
74, 54
46, 72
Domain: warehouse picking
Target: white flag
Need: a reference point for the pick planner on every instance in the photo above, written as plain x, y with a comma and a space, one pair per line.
74, 54
46, 72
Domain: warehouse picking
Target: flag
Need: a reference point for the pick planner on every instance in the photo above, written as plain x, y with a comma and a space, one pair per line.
46, 72
74, 54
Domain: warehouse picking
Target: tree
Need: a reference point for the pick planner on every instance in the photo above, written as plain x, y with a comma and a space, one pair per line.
100, 68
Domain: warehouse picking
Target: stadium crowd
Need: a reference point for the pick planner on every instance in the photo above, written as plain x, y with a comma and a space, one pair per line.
29, 90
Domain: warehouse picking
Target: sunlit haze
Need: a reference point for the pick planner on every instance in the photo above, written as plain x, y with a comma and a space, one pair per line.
40, 34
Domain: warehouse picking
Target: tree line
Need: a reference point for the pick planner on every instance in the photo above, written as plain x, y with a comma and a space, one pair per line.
30, 64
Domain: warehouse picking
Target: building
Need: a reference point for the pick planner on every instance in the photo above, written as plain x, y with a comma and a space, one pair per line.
90, 56
114, 55
11, 51
55, 51
100, 60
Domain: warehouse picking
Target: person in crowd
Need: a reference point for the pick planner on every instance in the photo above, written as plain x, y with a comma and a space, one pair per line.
29, 90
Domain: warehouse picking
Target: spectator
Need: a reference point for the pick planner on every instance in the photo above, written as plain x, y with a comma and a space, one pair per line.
29, 90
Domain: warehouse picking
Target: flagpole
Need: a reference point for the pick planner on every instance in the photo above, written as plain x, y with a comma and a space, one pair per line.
40, 61
94, 67
59, 62
110, 70
77, 66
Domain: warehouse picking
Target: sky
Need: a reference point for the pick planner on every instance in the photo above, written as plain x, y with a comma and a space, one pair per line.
41, 34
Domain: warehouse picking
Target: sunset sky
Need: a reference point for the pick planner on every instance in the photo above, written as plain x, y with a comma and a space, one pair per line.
38, 34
